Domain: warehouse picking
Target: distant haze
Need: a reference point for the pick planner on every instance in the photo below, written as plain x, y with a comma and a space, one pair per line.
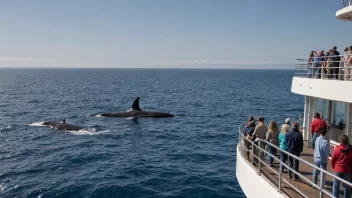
167, 34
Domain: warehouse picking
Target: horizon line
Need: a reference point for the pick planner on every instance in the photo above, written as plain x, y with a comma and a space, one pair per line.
197, 68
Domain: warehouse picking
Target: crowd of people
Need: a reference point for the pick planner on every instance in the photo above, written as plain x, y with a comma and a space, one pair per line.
331, 65
290, 139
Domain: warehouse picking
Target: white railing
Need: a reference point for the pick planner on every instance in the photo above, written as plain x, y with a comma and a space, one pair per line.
346, 3
325, 69
259, 154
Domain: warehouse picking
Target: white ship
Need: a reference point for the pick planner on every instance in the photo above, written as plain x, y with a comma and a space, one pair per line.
333, 99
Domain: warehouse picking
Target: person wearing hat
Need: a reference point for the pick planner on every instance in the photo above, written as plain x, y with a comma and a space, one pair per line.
288, 121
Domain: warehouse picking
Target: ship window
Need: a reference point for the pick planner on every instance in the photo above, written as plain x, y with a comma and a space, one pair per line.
338, 121
323, 108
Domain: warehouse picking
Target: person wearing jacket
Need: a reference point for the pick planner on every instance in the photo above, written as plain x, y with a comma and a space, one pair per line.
294, 141
247, 133
282, 139
341, 163
260, 129
272, 137
336, 59
317, 124
317, 65
321, 156
250, 126
259, 133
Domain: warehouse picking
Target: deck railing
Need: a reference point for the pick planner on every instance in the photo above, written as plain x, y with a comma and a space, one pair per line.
326, 69
346, 3
258, 152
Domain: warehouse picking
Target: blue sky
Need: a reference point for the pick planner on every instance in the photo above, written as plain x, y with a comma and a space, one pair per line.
167, 33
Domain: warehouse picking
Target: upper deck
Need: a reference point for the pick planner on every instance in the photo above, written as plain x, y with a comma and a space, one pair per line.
313, 79
346, 12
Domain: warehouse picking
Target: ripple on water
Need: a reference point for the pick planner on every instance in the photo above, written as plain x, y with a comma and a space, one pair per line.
191, 155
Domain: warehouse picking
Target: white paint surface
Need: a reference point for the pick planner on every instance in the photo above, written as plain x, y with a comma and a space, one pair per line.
252, 184
345, 13
336, 90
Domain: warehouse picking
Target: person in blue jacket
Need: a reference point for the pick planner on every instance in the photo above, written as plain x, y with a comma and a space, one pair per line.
321, 156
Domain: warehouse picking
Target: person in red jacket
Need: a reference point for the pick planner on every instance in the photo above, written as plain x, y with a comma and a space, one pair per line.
317, 124
341, 163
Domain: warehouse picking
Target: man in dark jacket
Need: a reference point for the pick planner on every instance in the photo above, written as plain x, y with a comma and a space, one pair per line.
336, 60
294, 141
250, 126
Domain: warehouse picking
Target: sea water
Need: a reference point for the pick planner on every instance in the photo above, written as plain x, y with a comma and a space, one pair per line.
190, 155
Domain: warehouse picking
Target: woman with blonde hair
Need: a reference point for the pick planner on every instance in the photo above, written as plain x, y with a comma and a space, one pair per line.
282, 138
273, 138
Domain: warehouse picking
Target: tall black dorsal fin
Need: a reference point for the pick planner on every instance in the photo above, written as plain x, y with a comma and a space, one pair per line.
64, 121
135, 105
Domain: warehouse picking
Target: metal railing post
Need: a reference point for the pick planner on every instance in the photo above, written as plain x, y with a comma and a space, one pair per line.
339, 70
321, 184
252, 152
280, 176
321, 71
259, 156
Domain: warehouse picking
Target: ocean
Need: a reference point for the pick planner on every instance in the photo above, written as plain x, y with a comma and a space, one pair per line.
190, 155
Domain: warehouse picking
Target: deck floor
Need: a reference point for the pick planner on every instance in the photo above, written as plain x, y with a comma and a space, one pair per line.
300, 184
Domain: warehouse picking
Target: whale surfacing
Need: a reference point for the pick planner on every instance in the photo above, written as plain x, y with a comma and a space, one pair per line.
137, 112
63, 126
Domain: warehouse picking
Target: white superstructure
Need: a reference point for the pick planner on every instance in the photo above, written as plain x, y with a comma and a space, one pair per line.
332, 98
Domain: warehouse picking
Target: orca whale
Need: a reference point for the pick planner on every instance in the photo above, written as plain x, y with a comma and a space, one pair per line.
137, 112
63, 126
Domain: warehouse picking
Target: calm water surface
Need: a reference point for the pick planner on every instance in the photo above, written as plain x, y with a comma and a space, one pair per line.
192, 155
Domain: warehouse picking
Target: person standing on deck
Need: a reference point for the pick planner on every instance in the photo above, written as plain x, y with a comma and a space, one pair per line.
343, 64
317, 65
348, 64
260, 129
259, 132
272, 137
294, 141
341, 163
282, 139
336, 60
321, 155
317, 124
310, 61
330, 65
250, 125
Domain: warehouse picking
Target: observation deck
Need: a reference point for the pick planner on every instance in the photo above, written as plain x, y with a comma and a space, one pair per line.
313, 78
346, 12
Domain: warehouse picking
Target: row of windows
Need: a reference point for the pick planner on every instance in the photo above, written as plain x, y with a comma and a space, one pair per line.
340, 122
